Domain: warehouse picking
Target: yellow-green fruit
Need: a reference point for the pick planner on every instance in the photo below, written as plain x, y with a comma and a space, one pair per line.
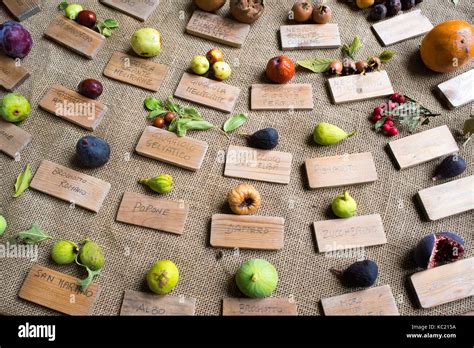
329, 134
161, 184
147, 42
73, 10
162, 277
91, 256
64, 252
3, 225
344, 206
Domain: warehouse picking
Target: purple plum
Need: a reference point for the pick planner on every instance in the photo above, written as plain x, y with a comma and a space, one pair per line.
15, 40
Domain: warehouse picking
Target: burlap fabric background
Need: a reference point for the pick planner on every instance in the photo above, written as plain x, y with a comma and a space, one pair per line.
207, 273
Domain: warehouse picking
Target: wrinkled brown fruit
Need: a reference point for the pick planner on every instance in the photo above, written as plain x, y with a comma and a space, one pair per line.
209, 5
244, 199
247, 11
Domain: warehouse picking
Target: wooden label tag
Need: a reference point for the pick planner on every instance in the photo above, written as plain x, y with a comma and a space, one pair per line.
423, 147
22, 9
260, 165
216, 28
443, 284
135, 71
76, 188
158, 214
355, 232
58, 291
13, 139
282, 97
309, 36
374, 301
207, 92
12, 73
360, 87
167, 147
76, 37
335, 171
402, 27
247, 232
458, 91
73, 107
144, 304
269, 306
451, 198
140, 10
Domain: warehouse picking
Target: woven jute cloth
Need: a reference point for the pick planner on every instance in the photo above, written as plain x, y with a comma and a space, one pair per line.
207, 273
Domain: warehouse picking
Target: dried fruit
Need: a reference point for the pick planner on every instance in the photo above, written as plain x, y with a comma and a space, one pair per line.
328, 134
360, 274
215, 55
247, 11
439, 248
87, 18
344, 206
266, 139
91, 88
244, 199
257, 278
200, 65
451, 167
91, 256
14, 107
15, 40
3, 225
92, 152
147, 42
378, 12
162, 277
64, 252
322, 14
302, 11
280, 69
221, 71
160, 184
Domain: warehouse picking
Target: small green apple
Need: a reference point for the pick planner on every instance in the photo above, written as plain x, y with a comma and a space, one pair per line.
73, 10
14, 107
200, 65
147, 42
222, 71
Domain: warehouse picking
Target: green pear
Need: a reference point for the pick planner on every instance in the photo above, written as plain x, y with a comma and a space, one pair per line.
14, 107
146, 42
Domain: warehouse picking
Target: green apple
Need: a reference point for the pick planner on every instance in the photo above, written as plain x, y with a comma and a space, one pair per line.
222, 71
147, 42
73, 10
200, 65
14, 107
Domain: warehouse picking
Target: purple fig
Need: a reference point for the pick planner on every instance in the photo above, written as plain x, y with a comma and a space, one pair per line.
451, 166
15, 40
439, 248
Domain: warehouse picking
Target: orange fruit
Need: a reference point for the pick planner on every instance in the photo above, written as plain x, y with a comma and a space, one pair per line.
364, 3
448, 46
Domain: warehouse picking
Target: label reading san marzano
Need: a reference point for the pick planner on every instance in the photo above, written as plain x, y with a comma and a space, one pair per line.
61, 283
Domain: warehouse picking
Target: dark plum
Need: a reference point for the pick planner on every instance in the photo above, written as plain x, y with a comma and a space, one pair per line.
393, 7
91, 88
92, 152
378, 12
451, 166
87, 18
15, 40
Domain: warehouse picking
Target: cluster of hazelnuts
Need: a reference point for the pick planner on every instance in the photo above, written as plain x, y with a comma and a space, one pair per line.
303, 11
350, 67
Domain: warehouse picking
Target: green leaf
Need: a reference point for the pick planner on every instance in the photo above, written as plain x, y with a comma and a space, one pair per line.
172, 126
183, 125
318, 65
469, 126
111, 23
352, 49
100, 27
455, 2
84, 283
155, 113
191, 113
32, 236
152, 103
171, 106
63, 5
234, 122
23, 181
107, 32
386, 55
378, 125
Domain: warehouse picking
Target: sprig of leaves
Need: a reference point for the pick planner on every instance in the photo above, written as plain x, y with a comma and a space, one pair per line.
234, 122
31, 237
318, 65
351, 50
84, 283
105, 27
386, 55
23, 181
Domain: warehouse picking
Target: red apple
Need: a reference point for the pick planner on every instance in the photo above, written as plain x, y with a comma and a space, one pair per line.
215, 55
86, 18
280, 69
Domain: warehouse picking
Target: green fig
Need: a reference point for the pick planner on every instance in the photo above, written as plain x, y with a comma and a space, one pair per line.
3, 225
14, 107
344, 206
91, 256
162, 277
64, 252
329, 134
161, 184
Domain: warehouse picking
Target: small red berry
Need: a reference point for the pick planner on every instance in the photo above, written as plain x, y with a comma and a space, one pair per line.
169, 117
376, 118
392, 105
378, 110
389, 118
389, 122
386, 128
401, 99
159, 122
394, 97
393, 132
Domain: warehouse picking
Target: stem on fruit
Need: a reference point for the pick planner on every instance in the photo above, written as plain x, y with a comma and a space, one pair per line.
254, 278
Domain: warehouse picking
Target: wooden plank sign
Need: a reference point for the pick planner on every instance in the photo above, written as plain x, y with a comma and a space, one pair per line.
137, 303
135, 71
423, 147
61, 182
58, 291
247, 232
360, 87
12, 73
76, 37
13, 139
260, 165
374, 301
216, 28
451, 198
335, 171
158, 214
282, 97
207, 92
459, 90
23, 9
402, 27
167, 147
444, 284
73, 107
269, 306
355, 232
140, 10
309, 36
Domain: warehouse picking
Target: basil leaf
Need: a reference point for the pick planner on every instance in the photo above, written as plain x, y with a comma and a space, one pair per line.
111, 23
152, 103
469, 126
155, 113
235, 122
63, 5
171, 106
386, 55
23, 181
183, 125
32, 236
318, 65
191, 113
